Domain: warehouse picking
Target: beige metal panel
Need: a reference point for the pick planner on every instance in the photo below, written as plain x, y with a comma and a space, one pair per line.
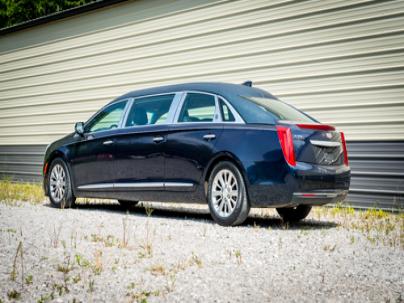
250, 55
47, 118
384, 132
99, 21
262, 66
299, 84
260, 18
221, 16
55, 100
334, 59
132, 63
145, 26
367, 115
50, 109
347, 100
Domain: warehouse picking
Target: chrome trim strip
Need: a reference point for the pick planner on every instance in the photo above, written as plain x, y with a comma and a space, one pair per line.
173, 108
135, 185
96, 186
139, 185
217, 117
325, 143
127, 110
178, 184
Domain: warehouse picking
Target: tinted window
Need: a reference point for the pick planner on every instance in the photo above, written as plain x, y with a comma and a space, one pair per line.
108, 118
266, 110
227, 115
150, 110
198, 108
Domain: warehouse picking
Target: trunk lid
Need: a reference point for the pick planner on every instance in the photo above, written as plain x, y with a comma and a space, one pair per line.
317, 144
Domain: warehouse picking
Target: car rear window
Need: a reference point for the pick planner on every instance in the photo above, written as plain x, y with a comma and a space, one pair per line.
266, 110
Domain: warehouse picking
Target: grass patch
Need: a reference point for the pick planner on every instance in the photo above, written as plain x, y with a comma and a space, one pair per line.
377, 225
11, 192
13, 295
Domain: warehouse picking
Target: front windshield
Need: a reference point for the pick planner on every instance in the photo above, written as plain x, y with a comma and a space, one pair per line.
269, 111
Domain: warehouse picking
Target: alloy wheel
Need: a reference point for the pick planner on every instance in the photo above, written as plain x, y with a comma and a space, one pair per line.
57, 184
225, 193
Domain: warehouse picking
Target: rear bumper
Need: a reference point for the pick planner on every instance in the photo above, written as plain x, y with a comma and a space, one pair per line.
319, 197
306, 183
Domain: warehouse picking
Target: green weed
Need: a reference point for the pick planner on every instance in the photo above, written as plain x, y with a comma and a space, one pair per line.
13, 295
11, 192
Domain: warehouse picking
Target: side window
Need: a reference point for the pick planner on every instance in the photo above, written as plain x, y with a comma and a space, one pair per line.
150, 110
108, 118
227, 115
198, 108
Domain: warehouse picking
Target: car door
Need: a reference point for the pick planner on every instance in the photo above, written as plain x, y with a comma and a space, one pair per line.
191, 142
140, 148
92, 156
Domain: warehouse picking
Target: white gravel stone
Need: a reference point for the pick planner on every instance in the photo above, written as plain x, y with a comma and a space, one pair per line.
191, 259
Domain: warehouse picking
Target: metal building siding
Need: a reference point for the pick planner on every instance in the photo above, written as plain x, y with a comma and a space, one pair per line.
377, 174
21, 162
340, 61
313, 54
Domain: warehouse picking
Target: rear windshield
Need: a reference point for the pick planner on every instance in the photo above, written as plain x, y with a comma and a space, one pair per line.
266, 110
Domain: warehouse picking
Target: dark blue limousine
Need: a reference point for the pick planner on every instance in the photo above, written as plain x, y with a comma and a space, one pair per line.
231, 146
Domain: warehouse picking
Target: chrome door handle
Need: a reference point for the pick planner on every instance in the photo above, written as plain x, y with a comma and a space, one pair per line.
108, 142
158, 139
209, 137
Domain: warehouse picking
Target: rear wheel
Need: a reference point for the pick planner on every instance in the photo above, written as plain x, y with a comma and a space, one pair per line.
227, 195
294, 214
60, 185
128, 204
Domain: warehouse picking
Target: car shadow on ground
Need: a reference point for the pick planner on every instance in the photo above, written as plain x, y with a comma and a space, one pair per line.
202, 215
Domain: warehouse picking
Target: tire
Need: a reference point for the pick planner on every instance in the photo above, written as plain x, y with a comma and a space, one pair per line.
294, 214
227, 198
60, 185
128, 205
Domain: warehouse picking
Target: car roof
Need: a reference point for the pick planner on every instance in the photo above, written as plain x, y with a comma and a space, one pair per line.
227, 90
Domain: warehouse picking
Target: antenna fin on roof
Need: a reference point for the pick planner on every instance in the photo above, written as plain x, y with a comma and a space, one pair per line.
247, 83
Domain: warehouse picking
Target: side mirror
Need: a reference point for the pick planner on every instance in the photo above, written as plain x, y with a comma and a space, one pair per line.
79, 128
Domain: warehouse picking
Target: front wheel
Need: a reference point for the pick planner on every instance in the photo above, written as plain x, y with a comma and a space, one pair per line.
60, 185
227, 195
294, 214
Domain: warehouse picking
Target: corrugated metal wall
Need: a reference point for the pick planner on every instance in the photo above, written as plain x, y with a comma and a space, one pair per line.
341, 61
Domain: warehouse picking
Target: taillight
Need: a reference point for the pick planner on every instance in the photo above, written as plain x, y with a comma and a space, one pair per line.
286, 141
346, 162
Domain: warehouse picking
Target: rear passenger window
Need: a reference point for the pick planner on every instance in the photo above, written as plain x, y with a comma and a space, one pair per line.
149, 110
227, 115
198, 108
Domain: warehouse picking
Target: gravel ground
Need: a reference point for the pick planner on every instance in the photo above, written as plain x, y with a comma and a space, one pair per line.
101, 253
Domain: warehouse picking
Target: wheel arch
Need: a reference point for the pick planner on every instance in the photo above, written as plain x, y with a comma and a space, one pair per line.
221, 157
54, 155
